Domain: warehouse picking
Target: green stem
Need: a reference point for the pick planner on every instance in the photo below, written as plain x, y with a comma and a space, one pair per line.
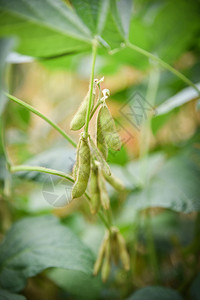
163, 64
39, 114
21, 168
106, 223
94, 54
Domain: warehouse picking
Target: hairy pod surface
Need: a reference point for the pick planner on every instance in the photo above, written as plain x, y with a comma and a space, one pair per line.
124, 256
114, 181
101, 142
100, 158
105, 201
114, 247
106, 263
94, 190
101, 253
78, 121
108, 129
76, 165
83, 171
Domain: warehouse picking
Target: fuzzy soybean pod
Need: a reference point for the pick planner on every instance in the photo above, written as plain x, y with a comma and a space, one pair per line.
105, 201
78, 120
101, 253
76, 165
101, 142
99, 157
114, 181
94, 190
114, 246
106, 263
83, 171
108, 128
123, 253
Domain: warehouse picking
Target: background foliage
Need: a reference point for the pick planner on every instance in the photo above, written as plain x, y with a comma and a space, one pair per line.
45, 59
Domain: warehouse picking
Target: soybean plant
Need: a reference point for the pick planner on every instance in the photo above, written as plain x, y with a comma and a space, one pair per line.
91, 170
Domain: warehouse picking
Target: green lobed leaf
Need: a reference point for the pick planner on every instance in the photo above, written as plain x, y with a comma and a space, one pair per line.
37, 243
155, 293
55, 28
121, 11
6, 295
92, 12
58, 158
177, 100
76, 283
175, 185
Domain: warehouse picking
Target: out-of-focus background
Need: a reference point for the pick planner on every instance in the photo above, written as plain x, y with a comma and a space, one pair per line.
157, 115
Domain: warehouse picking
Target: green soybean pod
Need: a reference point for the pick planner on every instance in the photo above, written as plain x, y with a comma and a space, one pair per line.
76, 165
114, 181
114, 246
105, 201
99, 157
101, 253
123, 252
101, 142
78, 120
83, 171
106, 263
108, 128
94, 190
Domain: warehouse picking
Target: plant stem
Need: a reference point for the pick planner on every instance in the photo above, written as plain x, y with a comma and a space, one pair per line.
94, 54
35, 111
20, 168
164, 65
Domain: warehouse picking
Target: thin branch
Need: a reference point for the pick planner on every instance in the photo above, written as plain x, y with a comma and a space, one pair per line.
164, 65
94, 54
21, 168
39, 114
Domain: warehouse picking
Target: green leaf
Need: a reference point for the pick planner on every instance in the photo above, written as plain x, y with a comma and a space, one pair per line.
194, 289
55, 28
58, 158
121, 11
155, 293
6, 295
37, 243
178, 183
184, 96
76, 283
93, 13
5, 47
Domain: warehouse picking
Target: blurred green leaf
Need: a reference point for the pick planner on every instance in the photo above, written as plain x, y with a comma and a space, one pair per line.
175, 185
93, 13
194, 289
177, 100
155, 293
54, 27
37, 243
121, 11
58, 158
76, 283
6, 295
151, 27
